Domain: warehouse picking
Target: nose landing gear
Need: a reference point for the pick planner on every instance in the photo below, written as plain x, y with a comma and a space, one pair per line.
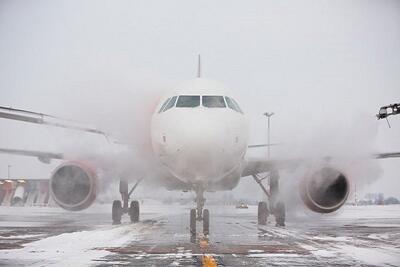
200, 200
199, 214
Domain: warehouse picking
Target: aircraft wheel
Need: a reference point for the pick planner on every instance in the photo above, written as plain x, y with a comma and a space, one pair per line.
280, 213
116, 212
134, 211
193, 222
262, 213
206, 222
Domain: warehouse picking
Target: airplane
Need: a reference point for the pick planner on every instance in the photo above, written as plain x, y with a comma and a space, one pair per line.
199, 138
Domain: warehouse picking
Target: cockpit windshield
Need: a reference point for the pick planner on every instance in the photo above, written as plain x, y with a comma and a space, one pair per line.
211, 101
188, 101
237, 105
171, 103
232, 104
208, 101
163, 105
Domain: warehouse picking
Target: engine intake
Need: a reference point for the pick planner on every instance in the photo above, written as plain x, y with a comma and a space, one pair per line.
325, 191
73, 186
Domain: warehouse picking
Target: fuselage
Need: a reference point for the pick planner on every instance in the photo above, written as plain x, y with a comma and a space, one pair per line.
199, 133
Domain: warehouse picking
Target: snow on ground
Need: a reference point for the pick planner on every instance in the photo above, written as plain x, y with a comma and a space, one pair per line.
150, 204
73, 249
26, 211
274, 255
375, 256
348, 213
22, 236
320, 252
365, 255
355, 235
78, 248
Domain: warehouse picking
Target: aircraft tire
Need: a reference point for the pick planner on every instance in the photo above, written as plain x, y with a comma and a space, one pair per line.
262, 213
280, 213
206, 222
116, 212
193, 222
134, 211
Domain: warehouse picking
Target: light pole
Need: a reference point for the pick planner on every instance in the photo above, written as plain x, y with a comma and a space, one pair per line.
8, 171
269, 115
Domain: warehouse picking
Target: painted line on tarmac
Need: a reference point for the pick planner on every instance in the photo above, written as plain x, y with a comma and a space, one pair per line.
209, 261
206, 260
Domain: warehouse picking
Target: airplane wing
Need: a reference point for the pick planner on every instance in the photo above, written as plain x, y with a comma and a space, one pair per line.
45, 119
261, 145
255, 166
44, 157
387, 155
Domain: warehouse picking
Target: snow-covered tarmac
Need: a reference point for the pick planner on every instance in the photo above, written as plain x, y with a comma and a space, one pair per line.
355, 236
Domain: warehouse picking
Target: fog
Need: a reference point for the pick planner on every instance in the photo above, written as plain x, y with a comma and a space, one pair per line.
323, 67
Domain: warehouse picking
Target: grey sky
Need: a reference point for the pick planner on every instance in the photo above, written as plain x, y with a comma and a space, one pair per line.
324, 68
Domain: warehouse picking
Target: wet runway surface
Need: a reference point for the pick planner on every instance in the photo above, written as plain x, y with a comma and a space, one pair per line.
357, 236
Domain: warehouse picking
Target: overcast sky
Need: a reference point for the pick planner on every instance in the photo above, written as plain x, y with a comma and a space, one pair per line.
324, 68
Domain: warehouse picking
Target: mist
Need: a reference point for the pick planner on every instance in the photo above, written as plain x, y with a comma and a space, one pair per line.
323, 68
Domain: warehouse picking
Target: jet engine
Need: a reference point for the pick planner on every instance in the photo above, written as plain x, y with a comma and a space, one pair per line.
325, 190
73, 186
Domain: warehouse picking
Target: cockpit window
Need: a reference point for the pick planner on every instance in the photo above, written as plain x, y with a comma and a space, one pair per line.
211, 101
163, 105
232, 104
237, 105
188, 101
171, 103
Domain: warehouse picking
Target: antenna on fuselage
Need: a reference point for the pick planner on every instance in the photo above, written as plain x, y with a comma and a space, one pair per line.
199, 67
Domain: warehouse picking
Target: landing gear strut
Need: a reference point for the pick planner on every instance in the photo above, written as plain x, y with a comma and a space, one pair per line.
119, 209
277, 208
199, 214
200, 200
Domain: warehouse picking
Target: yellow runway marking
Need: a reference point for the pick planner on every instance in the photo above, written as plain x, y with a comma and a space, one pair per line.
209, 261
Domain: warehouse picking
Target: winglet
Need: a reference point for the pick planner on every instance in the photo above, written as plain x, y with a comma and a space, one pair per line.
199, 67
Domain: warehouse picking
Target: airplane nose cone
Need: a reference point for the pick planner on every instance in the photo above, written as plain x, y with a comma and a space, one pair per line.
200, 144
204, 147
203, 137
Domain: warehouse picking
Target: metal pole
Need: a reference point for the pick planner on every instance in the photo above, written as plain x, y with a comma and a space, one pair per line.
8, 172
269, 115
269, 137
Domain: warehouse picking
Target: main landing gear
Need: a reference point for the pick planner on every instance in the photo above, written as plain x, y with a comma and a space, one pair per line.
119, 209
276, 208
199, 214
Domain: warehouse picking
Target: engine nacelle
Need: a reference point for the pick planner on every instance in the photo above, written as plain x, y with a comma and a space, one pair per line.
325, 190
73, 186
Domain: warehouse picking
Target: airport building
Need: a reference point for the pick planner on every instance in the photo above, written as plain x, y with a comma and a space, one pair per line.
25, 193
